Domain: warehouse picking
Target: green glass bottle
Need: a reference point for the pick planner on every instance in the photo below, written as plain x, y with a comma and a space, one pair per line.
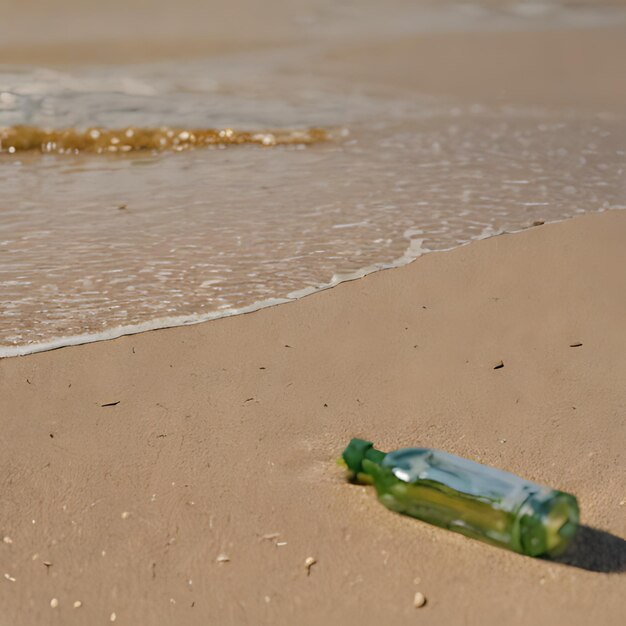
469, 498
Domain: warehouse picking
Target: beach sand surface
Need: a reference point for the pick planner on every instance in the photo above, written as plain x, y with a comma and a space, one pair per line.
131, 467
564, 55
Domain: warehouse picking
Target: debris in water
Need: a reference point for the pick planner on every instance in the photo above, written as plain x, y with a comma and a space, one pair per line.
223, 558
16, 139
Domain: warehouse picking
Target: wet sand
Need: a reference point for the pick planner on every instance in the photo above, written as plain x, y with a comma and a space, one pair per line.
131, 466
572, 69
579, 68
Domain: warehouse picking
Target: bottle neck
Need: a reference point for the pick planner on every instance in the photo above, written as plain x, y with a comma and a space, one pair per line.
375, 456
361, 455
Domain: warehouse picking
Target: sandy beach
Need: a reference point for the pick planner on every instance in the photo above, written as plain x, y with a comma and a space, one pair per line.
131, 467
189, 475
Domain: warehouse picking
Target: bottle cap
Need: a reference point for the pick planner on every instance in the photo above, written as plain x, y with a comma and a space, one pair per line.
354, 454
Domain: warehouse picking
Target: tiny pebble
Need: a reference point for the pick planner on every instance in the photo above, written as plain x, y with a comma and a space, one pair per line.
54, 603
113, 617
419, 600
78, 604
7, 539
281, 543
309, 563
223, 558
125, 515
9, 577
270, 536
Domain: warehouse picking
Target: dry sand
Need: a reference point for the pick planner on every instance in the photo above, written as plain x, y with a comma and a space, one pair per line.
130, 467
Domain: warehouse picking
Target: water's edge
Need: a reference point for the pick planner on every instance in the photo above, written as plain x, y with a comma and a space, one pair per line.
412, 253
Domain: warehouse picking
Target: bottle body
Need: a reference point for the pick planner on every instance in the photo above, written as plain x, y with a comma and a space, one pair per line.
469, 498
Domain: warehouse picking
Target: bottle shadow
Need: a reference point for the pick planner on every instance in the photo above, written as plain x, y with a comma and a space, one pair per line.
596, 551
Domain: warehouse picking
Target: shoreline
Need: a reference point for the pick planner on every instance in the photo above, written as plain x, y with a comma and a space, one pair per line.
132, 466
410, 255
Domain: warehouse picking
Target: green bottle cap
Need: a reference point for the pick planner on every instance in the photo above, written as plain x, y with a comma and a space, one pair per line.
354, 454
359, 450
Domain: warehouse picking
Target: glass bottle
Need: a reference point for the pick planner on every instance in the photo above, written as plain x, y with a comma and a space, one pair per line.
469, 498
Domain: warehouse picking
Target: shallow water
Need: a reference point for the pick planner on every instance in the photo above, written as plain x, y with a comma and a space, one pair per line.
94, 246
